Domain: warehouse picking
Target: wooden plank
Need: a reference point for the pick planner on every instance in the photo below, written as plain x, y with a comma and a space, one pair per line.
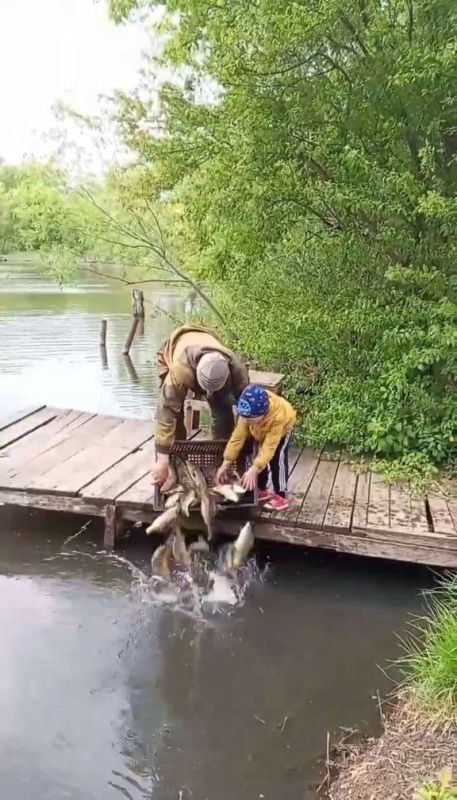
15, 416
375, 547
131, 433
25, 426
362, 496
43, 438
270, 380
32, 473
79, 470
441, 517
301, 476
122, 476
315, 503
53, 502
378, 505
412, 538
419, 521
400, 506
139, 495
452, 506
341, 503
111, 524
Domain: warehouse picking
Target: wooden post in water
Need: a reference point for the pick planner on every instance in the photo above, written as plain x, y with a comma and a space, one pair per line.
103, 333
131, 336
103, 343
138, 307
138, 319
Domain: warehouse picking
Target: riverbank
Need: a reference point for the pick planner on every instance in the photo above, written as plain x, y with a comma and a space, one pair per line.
411, 752
419, 741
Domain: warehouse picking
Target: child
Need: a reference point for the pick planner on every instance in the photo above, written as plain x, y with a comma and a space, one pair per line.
269, 419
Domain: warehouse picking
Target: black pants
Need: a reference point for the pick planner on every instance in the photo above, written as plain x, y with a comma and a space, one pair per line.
279, 467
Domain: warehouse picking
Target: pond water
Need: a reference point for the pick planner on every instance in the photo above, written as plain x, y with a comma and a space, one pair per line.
104, 692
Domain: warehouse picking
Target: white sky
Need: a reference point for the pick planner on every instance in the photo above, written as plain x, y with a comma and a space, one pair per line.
58, 50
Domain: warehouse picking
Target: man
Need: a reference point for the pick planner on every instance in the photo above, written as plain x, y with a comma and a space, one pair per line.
194, 358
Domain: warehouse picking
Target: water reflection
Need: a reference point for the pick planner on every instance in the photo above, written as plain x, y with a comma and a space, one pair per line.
51, 351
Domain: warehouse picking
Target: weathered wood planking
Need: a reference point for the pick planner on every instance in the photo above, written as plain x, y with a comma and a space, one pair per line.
139, 494
379, 503
40, 440
300, 479
30, 423
441, 516
400, 506
122, 476
343, 543
317, 498
33, 472
15, 416
362, 499
84, 466
341, 503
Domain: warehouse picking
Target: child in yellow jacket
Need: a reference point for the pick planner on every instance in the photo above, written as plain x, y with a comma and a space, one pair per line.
269, 419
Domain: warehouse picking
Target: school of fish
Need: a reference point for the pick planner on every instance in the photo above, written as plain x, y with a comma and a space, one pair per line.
186, 487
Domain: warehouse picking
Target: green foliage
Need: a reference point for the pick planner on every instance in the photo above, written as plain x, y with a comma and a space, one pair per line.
38, 211
312, 151
444, 789
430, 662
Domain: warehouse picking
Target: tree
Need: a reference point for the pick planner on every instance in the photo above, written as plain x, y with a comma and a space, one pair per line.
313, 150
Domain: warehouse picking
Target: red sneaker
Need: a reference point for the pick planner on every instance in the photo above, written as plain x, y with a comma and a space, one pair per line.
265, 494
277, 503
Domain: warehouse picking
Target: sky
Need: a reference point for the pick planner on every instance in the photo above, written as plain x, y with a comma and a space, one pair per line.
53, 50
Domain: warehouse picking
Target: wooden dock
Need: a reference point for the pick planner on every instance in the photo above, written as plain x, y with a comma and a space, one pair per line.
81, 463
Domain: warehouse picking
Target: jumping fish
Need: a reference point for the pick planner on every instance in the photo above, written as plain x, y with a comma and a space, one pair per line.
165, 520
233, 555
187, 501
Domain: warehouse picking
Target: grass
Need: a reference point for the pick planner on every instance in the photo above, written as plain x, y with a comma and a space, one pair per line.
430, 662
443, 789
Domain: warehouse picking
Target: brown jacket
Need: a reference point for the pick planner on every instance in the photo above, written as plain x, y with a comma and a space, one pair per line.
177, 364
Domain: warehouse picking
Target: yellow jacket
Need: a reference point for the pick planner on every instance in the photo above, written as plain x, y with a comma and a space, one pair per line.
277, 422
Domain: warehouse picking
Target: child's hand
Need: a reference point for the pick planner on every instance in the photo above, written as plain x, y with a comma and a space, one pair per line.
249, 478
221, 474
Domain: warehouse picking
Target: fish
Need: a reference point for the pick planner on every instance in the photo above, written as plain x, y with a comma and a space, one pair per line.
187, 500
233, 555
191, 477
227, 491
166, 519
174, 498
208, 507
161, 560
185, 479
180, 554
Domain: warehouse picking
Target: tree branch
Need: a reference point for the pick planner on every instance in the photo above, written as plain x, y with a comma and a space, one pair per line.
160, 253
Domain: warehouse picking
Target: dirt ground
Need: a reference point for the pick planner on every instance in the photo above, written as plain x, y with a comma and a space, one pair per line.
409, 752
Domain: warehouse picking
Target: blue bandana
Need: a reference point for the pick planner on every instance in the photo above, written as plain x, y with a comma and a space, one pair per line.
253, 402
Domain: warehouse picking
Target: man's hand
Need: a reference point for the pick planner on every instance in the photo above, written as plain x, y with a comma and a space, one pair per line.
159, 472
249, 478
221, 474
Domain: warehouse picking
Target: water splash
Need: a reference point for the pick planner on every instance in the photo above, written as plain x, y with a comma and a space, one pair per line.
182, 595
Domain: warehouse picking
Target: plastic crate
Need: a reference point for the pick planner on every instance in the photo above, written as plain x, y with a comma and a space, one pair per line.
207, 454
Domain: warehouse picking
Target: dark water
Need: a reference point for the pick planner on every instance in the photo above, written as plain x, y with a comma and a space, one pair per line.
105, 693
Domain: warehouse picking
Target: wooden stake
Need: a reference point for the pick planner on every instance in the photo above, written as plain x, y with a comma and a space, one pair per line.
130, 337
113, 525
138, 308
103, 333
